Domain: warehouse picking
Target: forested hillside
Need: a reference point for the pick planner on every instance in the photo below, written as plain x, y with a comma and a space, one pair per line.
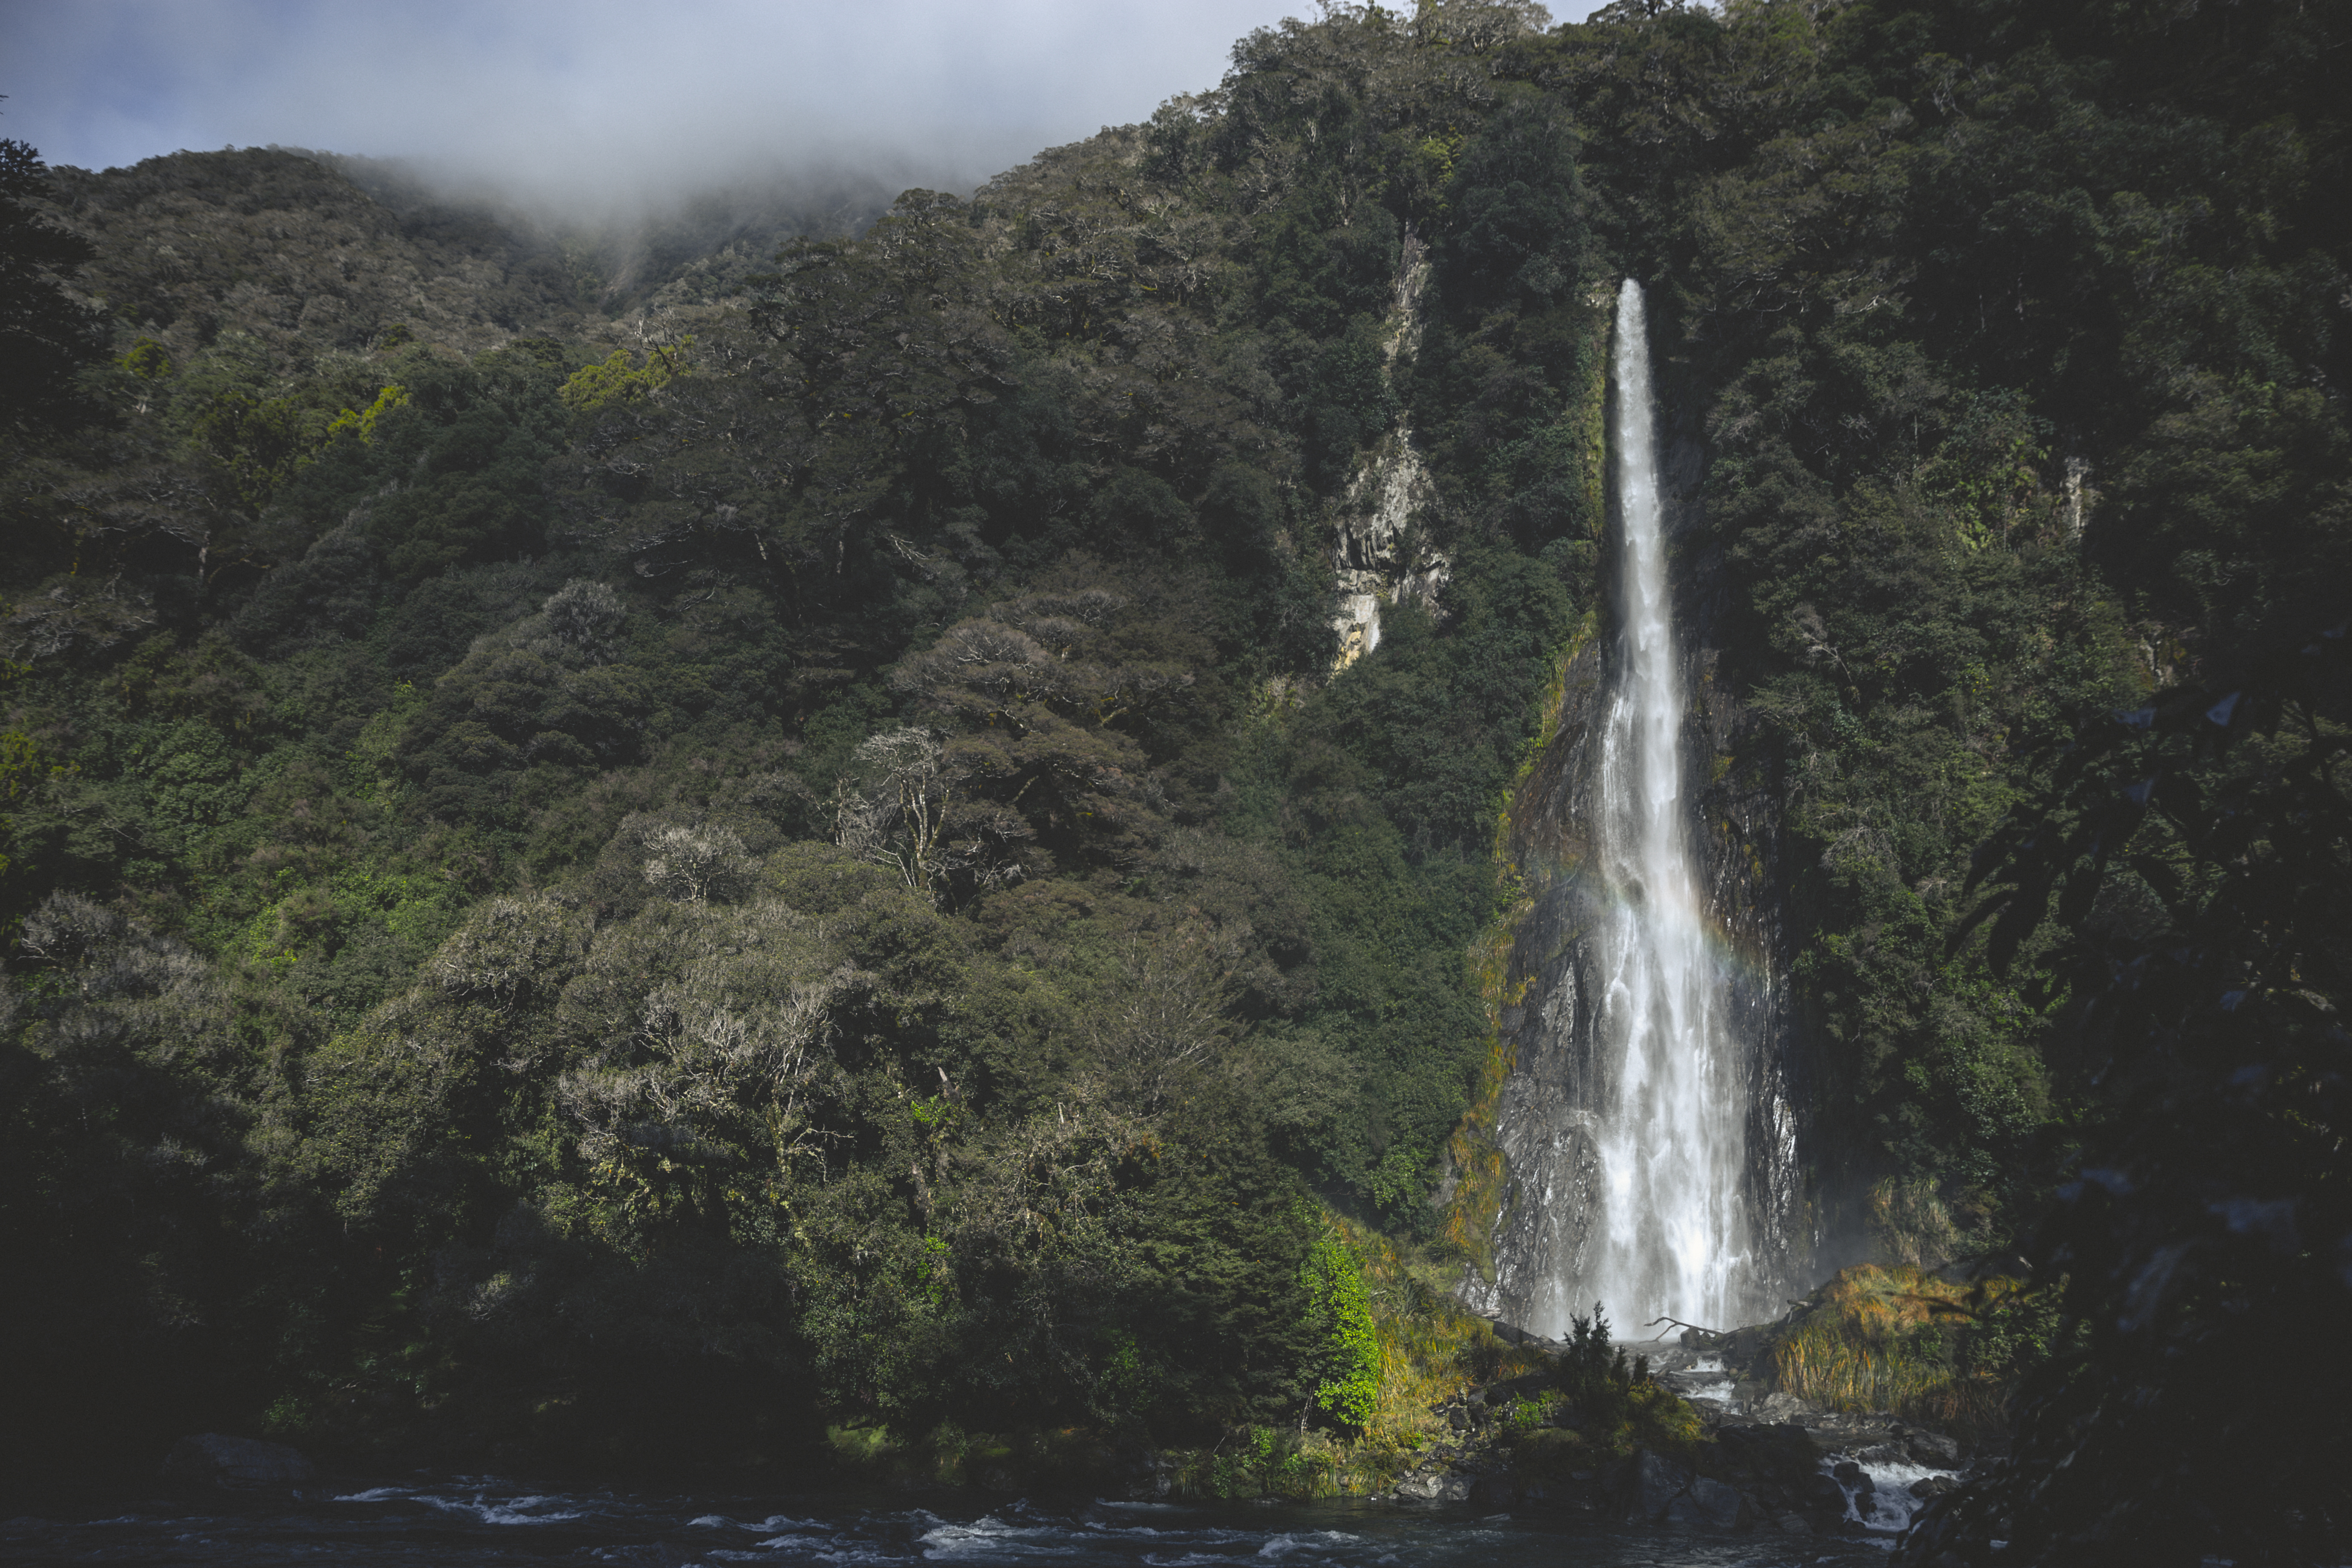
626, 871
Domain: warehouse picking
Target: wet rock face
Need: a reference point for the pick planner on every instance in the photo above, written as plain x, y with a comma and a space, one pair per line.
1933, 1449
1655, 1489
1710, 1503
1737, 791
237, 1463
1778, 1469
1652, 1486
1544, 1123
1822, 1494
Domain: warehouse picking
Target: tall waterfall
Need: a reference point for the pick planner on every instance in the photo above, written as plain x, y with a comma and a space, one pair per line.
1671, 1128
1648, 1127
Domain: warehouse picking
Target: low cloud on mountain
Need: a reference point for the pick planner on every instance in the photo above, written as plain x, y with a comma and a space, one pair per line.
590, 103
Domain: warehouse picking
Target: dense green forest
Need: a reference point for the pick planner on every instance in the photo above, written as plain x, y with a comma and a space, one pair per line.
618, 862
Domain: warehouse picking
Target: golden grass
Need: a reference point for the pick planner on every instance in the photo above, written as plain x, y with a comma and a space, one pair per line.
1912, 1225
1887, 1339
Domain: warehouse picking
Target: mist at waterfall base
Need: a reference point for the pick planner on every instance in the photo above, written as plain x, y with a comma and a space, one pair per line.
474, 1520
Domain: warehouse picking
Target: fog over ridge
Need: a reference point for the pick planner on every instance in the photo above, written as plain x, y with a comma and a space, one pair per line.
596, 109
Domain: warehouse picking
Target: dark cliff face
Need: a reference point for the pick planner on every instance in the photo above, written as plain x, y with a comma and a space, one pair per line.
1732, 774
1545, 1122
1544, 1127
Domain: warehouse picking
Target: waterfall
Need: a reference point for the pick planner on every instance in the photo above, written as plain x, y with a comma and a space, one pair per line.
1670, 1125
1647, 1127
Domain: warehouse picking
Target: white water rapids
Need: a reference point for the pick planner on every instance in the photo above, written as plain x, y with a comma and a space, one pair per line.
1671, 1130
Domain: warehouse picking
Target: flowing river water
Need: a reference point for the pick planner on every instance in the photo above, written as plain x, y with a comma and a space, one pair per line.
483, 1520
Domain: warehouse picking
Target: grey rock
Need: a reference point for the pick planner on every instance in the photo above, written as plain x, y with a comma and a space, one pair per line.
1792, 1524
1651, 1485
212, 1459
1933, 1449
1777, 1406
1434, 1489
1786, 1452
1932, 1486
1821, 1493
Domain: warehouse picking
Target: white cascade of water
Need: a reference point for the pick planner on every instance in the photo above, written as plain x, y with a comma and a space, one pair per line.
1671, 1126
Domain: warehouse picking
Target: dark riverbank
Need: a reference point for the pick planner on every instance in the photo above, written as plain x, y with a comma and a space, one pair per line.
1757, 1480
381, 1522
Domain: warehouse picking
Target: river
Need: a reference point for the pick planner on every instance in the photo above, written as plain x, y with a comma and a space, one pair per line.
375, 1522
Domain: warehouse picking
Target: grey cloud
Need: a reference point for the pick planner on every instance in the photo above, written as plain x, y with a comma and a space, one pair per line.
601, 101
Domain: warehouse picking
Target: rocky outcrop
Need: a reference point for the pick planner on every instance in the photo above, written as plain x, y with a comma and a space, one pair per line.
1932, 1448
1711, 1503
1651, 1486
240, 1464
1543, 1126
1378, 555
1517, 1444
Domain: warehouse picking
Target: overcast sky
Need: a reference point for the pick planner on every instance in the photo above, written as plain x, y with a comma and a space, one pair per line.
574, 98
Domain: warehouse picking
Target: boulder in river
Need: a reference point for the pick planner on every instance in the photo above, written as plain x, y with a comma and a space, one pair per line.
1822, 1495
1710, 1502
1933, 1449
1651, 1484
212, 1459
